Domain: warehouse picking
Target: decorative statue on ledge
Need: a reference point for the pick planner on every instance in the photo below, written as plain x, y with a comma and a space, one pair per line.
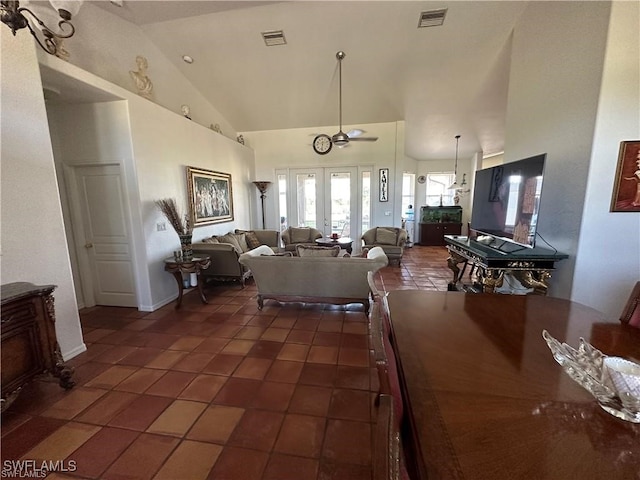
143, 83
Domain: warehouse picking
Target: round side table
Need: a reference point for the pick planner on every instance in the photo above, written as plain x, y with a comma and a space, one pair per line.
345, 243
193, 265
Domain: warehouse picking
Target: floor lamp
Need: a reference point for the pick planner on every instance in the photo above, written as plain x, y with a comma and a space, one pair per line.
262, 186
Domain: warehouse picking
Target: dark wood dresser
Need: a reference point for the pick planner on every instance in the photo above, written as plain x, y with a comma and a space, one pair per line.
29, 344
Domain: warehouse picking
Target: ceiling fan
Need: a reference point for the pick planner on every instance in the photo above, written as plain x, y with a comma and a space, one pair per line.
322, 143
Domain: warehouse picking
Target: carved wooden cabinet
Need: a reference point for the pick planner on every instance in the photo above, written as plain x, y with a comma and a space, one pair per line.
29, 345
433, 233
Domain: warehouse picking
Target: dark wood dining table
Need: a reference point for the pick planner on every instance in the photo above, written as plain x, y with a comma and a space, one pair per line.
486, 400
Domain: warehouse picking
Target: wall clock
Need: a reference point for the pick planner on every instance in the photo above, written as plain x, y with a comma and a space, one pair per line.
322, 144
422, 179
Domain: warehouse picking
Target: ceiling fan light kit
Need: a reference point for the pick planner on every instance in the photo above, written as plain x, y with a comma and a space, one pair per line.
340, 139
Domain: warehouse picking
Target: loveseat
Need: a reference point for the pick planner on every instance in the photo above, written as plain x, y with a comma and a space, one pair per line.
391, 239
293, 236
225, 250
314, 279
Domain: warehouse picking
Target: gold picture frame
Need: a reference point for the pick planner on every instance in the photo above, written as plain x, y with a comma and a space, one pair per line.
210, 196
626, 189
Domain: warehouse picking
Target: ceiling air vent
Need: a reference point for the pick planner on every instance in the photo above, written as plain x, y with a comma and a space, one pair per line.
275, 37
432, 18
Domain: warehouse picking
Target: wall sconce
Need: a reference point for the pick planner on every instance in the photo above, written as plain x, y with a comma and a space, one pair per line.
13, 15
262, 187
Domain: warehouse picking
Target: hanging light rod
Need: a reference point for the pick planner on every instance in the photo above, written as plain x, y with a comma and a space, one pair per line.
14, 16
455, 185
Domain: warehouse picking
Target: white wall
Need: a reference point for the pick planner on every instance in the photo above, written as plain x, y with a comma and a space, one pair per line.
104, 130
107, 46
276, 149
608, 257
33, 239
154, 146
164, 145
556, 68
465, 166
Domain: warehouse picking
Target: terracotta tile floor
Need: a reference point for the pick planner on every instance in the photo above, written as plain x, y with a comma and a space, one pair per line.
217, 391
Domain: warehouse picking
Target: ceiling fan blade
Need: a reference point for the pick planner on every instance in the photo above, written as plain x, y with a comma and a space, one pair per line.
356, 132
363, 139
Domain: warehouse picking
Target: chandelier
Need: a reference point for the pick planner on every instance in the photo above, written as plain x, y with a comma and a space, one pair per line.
455, 185
54, 26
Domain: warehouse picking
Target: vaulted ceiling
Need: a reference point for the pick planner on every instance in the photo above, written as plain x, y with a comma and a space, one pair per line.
442, 80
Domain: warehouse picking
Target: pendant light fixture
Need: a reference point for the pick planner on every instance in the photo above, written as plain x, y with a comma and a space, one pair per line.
455, 185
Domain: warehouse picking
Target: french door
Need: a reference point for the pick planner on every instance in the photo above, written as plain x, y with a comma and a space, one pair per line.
322, 198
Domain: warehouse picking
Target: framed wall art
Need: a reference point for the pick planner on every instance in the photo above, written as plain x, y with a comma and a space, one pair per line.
210, 196
626, 188
384, 184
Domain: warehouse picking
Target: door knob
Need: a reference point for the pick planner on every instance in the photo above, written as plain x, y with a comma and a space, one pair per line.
88, 245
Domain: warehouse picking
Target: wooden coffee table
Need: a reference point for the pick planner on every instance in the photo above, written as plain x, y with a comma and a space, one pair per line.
345, 243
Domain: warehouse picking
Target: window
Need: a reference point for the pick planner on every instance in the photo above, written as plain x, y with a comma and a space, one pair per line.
408, 192
438, 188
366, 201
282, 201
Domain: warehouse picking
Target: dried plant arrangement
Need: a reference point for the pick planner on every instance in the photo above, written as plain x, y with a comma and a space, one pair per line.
180, 223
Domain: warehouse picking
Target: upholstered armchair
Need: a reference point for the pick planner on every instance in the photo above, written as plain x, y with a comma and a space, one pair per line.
293, 236
391, 239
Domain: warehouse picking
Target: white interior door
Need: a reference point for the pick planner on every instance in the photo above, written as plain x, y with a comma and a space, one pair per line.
105, 238
324, 198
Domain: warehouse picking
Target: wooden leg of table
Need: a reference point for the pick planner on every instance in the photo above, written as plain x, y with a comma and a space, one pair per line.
178, 277
202, 297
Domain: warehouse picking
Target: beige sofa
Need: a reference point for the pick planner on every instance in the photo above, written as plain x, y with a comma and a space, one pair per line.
335, 280
293, 236
225, 250
391, 239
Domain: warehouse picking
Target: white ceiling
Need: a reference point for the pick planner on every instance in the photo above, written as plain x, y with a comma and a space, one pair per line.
442, 81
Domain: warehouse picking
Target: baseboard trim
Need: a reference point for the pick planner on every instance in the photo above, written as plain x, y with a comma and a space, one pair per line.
156, 306
74, 352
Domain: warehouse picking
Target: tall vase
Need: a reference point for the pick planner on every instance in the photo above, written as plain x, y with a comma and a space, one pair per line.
185, 244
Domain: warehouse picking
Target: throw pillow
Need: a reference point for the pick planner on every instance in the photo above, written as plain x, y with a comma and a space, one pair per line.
242, 241
252, 239
385, 236
309, 251
300, 235
213, 239
231, 239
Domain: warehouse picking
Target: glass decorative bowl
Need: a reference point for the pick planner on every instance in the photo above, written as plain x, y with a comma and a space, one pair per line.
592, 370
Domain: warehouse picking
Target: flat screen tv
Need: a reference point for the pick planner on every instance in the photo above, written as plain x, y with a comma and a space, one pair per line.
506, 200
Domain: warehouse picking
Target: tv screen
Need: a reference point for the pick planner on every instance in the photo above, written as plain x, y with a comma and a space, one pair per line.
506, 200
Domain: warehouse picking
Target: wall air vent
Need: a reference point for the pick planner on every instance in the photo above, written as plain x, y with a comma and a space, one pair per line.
432, 18
275, 37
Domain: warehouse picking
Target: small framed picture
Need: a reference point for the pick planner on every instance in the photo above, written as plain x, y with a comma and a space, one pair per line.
384, 184
626, 188
210, 196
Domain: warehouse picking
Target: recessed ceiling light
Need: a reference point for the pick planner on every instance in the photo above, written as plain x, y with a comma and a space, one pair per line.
187, 59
